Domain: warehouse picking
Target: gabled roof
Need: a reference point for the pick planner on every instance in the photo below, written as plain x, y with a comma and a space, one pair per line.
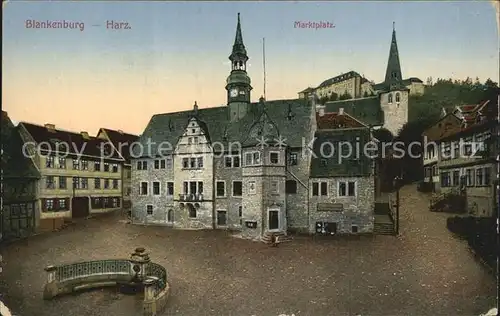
292, 118
121, 141
340, 165
76, 143
336, 121
366, 110
309, 89
14, 163
339, 78
445, 126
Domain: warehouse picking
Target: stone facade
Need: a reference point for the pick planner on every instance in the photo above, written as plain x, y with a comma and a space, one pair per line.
351, 214
394, 104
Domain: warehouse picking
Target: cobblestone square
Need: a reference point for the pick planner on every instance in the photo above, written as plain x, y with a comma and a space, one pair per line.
425, 271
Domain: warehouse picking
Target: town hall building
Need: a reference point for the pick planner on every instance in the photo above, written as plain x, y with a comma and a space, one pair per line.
257, 167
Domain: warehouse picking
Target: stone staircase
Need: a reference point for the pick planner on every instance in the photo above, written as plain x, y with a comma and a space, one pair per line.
383, 228
280, 236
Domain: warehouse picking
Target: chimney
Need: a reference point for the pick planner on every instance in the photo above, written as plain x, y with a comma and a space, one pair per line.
195, 108
341, 111
50, 127
85, 135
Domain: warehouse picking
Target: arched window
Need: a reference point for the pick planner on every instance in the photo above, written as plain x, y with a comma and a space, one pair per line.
192, 211
398, 97
389, 97
170, 216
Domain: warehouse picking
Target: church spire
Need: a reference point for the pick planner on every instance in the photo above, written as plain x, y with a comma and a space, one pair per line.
393, 76
239, 49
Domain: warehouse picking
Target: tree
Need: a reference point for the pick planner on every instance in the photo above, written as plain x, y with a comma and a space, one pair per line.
383, 135
345, 96
365, 94
334, 96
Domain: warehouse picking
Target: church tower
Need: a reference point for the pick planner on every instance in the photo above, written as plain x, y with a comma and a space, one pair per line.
238, 83
394, 96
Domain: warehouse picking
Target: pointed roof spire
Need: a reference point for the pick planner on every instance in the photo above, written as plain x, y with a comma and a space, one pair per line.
238, 46
393, 76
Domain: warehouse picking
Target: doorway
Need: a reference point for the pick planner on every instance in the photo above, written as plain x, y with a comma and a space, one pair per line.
80, 207
273, 219
221, 218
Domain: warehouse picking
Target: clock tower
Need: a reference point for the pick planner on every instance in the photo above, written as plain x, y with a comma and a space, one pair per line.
238, 83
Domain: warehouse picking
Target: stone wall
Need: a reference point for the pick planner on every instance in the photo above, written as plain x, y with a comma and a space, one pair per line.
357, 211
395, 115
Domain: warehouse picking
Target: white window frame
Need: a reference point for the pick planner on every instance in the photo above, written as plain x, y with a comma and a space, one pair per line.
150, 215
253, 163
270, 161
140, 188
217, 217
319, 188
255, 187
153, 188
277, 186
225, 189
347, 189
232, 188
173, 215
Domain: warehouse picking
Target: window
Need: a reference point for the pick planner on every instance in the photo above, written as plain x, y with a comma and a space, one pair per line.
62, 183
169, 162
49, 162
162, 164
128, 192
191, 210
170, 216
185, 162
456, 177
97, 166
398, 97
228, 161
144, 188
469, 176
252, 187
62, 204
97, 183
85, 165
354, 228
200, 162
76, 164
347, 188
319, 188
149, 210
142, 165
445, 179
468, 146
389, 98
115, 167
274, 157
435, 170
252, 158
232, 161
237, 188
323, 162
62, 163
293, 159
106, 183
116, 202
85, 183
240, 214
170, 188
156, 188
220, 188
185, 187
76, 182
479, 177
157, 164
115, 184
49, 204
274, 186
190, 140
196, 140
236, 161
192, 163
49, 182
487, 175
291, 187
106, 167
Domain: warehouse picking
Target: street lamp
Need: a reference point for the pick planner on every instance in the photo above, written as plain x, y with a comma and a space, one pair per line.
397, 182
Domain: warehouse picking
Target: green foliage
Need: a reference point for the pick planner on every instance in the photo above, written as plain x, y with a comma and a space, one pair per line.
448, 93
334, 97
365, 95
345, 96
383, 135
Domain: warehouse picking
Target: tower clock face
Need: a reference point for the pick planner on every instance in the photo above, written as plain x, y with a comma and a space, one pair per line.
233, 92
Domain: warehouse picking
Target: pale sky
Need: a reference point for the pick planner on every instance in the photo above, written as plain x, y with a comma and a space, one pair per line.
177, 52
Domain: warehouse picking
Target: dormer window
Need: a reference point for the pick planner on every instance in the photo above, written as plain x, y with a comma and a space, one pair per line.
398, 97
389, 98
